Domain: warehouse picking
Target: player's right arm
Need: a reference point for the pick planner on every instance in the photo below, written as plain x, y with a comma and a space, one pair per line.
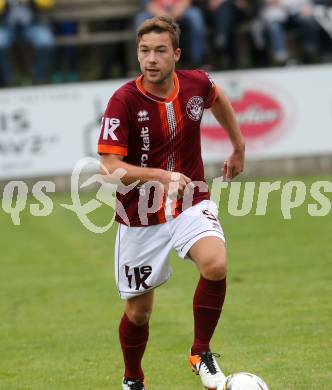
111, 162
113, 147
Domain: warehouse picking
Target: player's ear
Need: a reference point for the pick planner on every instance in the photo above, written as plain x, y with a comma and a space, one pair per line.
177, 54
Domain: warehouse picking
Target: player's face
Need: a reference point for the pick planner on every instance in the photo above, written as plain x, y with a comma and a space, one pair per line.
157, 57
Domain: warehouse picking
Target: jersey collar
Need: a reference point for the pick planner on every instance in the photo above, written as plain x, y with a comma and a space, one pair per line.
173, 95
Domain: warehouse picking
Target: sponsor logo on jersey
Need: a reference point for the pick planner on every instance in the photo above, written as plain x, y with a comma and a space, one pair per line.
143, 116
195, 108
109, 125
145, 148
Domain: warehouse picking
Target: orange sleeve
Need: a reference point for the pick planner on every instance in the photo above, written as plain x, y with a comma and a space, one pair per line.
110, 149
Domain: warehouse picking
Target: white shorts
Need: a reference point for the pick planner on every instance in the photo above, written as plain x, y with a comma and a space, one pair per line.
142, 253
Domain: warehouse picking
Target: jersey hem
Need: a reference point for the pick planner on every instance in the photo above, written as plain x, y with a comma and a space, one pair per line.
138, 223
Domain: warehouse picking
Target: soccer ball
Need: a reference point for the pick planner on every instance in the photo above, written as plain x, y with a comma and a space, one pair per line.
244, 381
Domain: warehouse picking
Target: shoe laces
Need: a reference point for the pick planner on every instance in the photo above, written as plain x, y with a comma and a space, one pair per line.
207, 359
137, 385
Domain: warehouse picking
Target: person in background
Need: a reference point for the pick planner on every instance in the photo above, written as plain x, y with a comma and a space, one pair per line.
191, 21
23, 21
280, 15
66, 57
226, 15
259, 46
323, 15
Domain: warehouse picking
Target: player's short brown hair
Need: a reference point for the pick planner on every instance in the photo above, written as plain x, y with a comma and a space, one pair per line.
160, 24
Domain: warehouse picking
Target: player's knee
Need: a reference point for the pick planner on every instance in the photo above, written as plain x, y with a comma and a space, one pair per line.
139, 317
215, 270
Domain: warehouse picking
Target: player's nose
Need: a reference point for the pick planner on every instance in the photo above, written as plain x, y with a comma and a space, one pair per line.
152, 57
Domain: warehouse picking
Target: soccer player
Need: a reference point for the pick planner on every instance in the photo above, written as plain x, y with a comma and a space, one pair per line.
151, 131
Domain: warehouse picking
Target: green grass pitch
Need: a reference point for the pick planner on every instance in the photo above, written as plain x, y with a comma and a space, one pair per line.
59, 308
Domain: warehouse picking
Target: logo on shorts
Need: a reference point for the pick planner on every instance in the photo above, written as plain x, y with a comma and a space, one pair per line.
142, 116
195, 108
209, 215
139, 275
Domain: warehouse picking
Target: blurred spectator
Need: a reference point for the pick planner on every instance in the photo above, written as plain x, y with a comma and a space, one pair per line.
323, 15
191, 21
65, 62
259, 47
114, 61
280, 15
226, 15
22, 21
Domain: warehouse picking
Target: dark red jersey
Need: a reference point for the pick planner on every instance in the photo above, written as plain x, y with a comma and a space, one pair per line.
158, 133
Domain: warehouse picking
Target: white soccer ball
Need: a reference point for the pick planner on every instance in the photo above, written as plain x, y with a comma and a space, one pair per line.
244, 381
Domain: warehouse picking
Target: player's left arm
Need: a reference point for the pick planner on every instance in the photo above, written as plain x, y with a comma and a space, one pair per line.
224, 113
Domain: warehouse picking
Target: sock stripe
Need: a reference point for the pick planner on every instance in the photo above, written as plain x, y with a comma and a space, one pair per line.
129, 346
207, 307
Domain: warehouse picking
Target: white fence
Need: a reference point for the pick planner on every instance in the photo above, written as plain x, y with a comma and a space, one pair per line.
283, 113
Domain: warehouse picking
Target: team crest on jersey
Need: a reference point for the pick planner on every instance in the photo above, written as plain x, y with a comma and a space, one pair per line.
195, 108
142, 116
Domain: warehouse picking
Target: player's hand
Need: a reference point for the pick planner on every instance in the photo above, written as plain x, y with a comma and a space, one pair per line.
174, 183
234, 165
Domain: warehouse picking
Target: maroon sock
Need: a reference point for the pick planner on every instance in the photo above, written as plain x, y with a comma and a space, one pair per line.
208, 301
133, 340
